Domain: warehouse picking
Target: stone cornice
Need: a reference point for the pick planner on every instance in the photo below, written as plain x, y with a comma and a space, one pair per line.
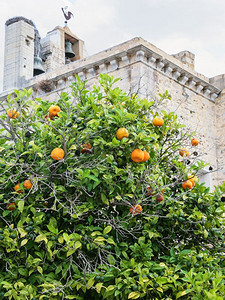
131, 52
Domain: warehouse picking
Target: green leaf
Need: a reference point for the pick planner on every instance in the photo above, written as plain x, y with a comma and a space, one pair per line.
41, 238
90, 283
104, 199
183, 293
107, 229
99, 239
52, 226
70, 252
21, 205
98, 287
24, 242
77, 245
60, 239
134, 295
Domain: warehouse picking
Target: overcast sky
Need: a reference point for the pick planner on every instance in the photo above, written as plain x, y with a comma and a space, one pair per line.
172, 25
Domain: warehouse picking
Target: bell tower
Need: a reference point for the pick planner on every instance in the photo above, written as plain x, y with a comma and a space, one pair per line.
19, 52
60, 47
28, 55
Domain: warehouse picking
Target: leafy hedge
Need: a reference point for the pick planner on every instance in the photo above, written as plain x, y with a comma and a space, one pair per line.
72, 235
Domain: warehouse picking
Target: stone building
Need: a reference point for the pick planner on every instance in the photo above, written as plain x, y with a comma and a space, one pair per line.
48, 66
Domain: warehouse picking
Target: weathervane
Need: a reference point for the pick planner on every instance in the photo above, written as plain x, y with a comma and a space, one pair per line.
67, 14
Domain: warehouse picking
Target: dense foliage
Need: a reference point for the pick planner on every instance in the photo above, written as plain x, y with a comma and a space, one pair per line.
71, 233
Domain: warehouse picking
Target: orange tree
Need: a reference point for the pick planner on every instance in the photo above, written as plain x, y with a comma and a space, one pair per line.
95, 202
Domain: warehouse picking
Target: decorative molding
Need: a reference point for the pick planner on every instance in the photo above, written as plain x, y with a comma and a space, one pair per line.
168, 70
192, 84
140, 55
160, 65
113, 65
176, 74
183, 79
125, 59
199, 88
102, 68
87, 68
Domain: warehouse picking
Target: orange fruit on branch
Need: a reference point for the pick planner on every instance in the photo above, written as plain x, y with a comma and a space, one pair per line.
54, 110
193, 179
136, 209
137, 155
158, 122
194, 142
13, 114
86, 148
159, 198
183, 152
11, 206
57, 154
146, 156
187, 185
17, 188
121, 133
27, 184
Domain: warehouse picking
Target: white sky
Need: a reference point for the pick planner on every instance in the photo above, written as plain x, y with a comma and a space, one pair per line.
172, 25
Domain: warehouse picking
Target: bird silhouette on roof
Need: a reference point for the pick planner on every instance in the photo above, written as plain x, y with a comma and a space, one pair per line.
67, 14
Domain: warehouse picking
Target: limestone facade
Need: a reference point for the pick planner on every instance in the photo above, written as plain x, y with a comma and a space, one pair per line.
198, 101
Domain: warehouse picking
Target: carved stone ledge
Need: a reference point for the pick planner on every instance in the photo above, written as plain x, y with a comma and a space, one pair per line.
125, 59
199, 88
191, 84
91, 72
183, 79
102, 68
206, 92
213, 96
113, 65
152, 61
140, 55
160, 65
168, 70
176, 74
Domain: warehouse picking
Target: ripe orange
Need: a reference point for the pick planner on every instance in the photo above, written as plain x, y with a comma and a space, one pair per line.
121, 133
183, 152
54, 110
57, 154
27, 184
193, 179
194, 142
137, 155
11, 206
86, 148
187, 185
136, 209
158, 122
159, 198
146, 156
17, 188
13, 114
